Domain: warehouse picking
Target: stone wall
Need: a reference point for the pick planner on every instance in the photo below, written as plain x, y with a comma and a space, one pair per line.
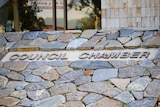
131, 13
79, 83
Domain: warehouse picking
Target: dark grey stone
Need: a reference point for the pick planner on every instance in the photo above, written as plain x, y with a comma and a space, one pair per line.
31, 35
126, 32
51, 46
146, 102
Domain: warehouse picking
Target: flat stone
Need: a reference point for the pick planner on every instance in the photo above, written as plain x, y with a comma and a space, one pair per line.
74, 44
132, 71
88, 33
80, 64
124, 40
114, 44
78, 95
113, 36
106, 102
96, 87
25, 102
125, 97
112, 92
139, 84
73, 104
44, 35
147, 35
36, 64
155, 72
134, 43
91, 43
136, 34
38, 42
15, 76
26, 72
50, 75
122, 64
18, 85
138, 95
19, 94
52, 37
62, 88
65, 38
126, 32
33, 78
57, 63
153, 89
101, 45
4, 71
3, 82
154, 42
1, 64
2, 41
120, 83
31, 35
14, 37
55, 101
158, 64
16, 65
69, 77
82, 80
104, 74
9, 45
63, 70
41, 70
147, 63
39, 86
38, 94
73, 31
91, 98
5, 92
51, 46
9, 101
146, 102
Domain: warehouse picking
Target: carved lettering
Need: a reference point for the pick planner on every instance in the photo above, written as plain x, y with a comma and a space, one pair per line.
115, 55
84, 56
14, 57
145, 55
52, 56
43, 57
33, 56
23, 57
135, 54
125, 55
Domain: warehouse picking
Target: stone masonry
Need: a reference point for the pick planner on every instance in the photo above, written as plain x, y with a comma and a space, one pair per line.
80, 83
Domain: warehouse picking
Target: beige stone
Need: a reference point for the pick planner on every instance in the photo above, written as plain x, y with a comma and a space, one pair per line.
9, 101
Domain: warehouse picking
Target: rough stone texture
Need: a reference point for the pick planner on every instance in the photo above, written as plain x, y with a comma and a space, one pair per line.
6, 92
97, 87
33, 78
135, 43
9, 45
65, 38
113, 44
13, 37
19, 94
38, 94
104, 74
126, 32
76, 43
155, 72
124, 40
136, 34
125, 97
106, 102
54, 101
121, 64
31, 35
147, 35
146, 63
139, 84
38, 86
154, 42
73, 104
112, 92
63, 69
36, 64
120, 83
41, 70
15, 76
9, 101
78, 95
91, 43
50, 75
132, 72
57, 63
18, 85
52, 37
38, 42
88, 33
152, 89
2, 41
44, 35
113, 36
62, 88
147, 102
25, 102
138, 94
91, 98
51, 46
82, 80
16, 65
101, 44
3, 82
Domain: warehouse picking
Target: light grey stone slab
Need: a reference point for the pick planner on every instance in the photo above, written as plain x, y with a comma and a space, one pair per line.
76, 43
78, 95
146, 63
135, 43
18, 85
15, 76
124, 40
19, 94
88, 33
114, 44
138, 94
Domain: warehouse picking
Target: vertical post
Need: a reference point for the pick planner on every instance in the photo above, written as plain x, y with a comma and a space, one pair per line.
54, 14
65, 15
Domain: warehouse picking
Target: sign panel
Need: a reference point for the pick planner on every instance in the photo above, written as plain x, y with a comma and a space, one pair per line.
132, 54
